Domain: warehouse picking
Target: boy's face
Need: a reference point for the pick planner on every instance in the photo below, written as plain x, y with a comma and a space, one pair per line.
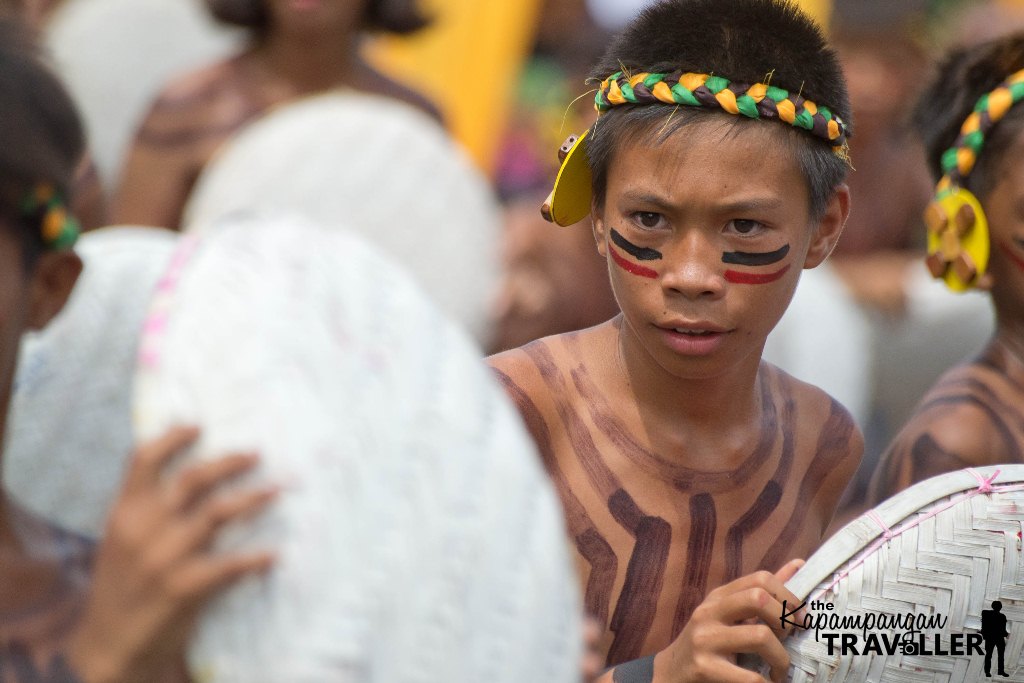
1004, 208
705, 235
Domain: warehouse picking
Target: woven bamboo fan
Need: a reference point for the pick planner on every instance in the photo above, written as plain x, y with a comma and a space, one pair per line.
418, 538
931, 558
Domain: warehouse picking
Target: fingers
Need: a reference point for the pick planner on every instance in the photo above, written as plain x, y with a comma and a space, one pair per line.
196, 482
756, 595
789, 570
761, 640
150, 458
752, 603
217, 512
210, 575
592, 660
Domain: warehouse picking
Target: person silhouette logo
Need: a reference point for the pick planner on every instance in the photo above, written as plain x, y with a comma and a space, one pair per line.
993, 630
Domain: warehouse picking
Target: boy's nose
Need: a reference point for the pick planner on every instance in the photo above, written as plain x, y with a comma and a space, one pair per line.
694, 270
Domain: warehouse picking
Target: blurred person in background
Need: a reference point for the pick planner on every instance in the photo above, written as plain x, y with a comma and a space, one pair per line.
297, 48
72, 611
555, 281
879, 49
972, 416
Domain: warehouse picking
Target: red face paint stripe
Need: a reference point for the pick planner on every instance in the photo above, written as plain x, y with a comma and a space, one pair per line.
1014, 256
631, 267
754, 278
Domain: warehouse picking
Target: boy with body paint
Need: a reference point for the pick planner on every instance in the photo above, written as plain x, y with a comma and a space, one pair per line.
71, 611
972, 124
689, 469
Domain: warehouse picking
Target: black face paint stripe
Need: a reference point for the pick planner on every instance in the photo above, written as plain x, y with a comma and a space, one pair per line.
743, 258
639, 253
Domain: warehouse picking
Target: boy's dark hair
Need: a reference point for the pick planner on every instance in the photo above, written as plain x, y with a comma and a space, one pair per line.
390, 16
745, 41
962, 77
41, 137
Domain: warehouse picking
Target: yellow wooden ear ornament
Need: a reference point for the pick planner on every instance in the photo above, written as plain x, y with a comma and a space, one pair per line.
958, 238
569, 201
958, 242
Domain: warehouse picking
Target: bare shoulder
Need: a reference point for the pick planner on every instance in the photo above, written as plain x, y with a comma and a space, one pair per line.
184, 90
962, 413
821, 419
200, 100
534, 374
528, 366
969, 418
829, 441
372, 80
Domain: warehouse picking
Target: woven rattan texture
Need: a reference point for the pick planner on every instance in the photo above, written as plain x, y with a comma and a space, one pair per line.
951, 558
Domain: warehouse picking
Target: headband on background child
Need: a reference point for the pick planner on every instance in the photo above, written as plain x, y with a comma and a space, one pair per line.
46, 207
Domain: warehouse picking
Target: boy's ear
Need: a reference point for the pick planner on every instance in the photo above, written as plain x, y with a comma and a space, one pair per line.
597, 223
825, 237
53, 277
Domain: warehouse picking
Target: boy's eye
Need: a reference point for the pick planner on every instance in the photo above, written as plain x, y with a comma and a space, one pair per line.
647, 219
745, 226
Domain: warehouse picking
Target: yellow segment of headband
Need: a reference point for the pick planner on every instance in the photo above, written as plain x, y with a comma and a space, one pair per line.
975, 243
571, 198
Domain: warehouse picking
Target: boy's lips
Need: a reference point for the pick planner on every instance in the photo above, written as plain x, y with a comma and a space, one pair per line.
693, 338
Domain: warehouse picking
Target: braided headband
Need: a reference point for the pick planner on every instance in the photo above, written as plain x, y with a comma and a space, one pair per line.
714, 92
958, 239
45, 207
569, 202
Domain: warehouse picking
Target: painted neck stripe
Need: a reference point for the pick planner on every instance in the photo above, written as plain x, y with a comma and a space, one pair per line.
639, 253
629, 266
754, 278
744, 258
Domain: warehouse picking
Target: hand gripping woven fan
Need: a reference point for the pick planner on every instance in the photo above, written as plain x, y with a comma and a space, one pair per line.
418, 538
70, 426
928, 561
376, 166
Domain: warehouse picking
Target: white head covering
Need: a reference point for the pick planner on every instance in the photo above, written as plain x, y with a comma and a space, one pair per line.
418, 538
69, 432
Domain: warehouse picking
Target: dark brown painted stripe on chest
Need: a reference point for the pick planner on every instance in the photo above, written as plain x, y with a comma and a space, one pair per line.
699, 549
832, 447
638, 601
579, 436
589, 541
682, 478
768, 499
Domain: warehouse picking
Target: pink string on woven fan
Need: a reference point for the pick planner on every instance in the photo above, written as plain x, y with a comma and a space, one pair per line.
985, 486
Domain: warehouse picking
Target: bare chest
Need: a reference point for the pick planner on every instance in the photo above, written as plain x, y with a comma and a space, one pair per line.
654, 536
